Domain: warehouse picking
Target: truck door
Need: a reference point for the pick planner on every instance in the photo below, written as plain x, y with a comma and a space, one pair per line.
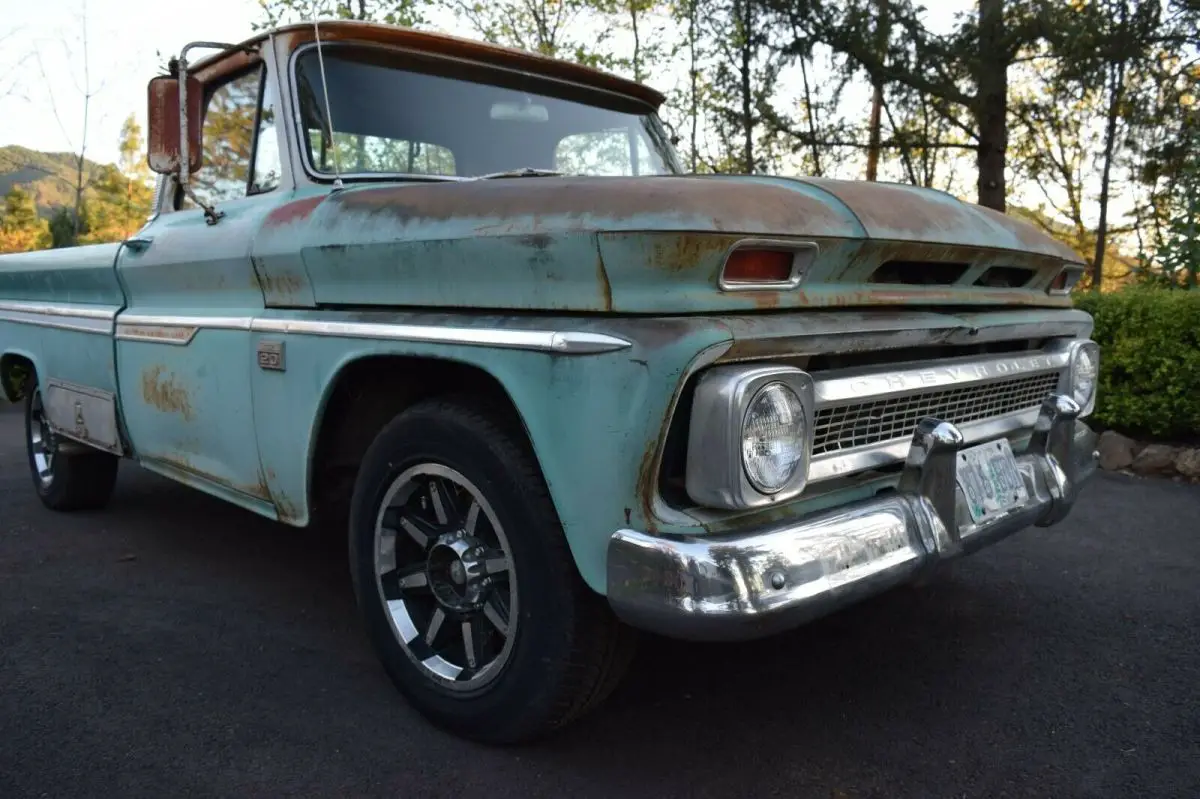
183, 340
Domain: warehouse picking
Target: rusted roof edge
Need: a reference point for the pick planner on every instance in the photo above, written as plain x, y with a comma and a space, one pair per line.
437, 43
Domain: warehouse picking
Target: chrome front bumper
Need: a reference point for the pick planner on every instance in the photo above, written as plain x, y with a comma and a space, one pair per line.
752, 585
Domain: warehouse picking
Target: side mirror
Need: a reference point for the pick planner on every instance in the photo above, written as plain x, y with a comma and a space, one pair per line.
163, 141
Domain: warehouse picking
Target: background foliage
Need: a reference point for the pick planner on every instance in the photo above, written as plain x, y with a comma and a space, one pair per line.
1149, 361
39, 209
1079, 115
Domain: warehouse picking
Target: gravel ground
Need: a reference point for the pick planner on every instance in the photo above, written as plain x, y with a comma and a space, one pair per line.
177, 646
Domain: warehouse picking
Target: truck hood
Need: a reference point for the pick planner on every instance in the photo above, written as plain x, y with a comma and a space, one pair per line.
642, 245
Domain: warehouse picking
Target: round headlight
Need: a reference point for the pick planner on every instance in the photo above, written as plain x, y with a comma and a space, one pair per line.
773, 432
1083, 382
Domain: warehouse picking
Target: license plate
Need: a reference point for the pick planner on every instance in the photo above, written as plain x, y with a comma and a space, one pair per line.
988, 477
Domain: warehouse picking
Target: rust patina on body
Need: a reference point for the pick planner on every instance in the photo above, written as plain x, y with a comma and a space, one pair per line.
728, 403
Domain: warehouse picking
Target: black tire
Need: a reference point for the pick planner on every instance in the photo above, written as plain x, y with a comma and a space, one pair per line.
72, 481
568, 650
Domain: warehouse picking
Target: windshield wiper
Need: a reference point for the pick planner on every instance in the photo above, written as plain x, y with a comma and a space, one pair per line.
523, 172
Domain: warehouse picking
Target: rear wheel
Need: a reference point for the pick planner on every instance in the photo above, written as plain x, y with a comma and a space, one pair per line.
66, 476
465, 581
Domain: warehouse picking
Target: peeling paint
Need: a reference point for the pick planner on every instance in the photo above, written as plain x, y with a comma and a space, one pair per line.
165, 394
605, 286
290, 213
282, 286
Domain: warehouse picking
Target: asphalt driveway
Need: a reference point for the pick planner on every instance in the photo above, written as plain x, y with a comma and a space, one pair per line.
176, 646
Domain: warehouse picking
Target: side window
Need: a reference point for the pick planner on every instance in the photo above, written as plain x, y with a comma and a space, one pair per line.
267, 163
230, 118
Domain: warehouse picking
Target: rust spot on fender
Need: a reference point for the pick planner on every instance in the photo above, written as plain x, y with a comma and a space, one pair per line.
647, 480
536, 241
605, 286
281, 286
680, 252
765, 299
164, 393
181, 462
294, 211
285, 509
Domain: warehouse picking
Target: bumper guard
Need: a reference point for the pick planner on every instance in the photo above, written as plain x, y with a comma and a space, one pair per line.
724, 588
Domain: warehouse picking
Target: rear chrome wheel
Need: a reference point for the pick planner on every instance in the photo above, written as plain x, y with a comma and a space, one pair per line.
445, 575
42, 443
66, 478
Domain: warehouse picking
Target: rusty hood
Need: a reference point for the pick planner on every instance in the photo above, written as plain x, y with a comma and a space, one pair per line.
644, 245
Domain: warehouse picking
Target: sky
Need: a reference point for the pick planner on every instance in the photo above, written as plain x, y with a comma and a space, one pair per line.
42, 65
127, 40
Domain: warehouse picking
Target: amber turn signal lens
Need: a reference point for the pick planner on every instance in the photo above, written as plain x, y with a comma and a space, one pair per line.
759, 266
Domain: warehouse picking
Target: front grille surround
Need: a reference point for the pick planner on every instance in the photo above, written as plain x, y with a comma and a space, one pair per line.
870, 422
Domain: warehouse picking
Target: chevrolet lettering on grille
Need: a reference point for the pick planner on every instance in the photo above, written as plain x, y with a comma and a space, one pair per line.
880, 383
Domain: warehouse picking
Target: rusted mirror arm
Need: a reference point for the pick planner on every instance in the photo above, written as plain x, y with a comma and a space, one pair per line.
184, 176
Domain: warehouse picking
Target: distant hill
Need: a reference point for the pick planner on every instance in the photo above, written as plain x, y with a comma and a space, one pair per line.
50, 176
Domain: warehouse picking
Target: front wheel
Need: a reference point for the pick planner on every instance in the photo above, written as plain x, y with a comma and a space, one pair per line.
65, 480
466, 583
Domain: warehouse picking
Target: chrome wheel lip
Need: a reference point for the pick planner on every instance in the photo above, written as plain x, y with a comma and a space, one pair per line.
41, 441
404, 629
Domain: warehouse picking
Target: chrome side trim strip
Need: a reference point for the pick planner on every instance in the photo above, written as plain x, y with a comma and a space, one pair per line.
873, 384
205, 322
57, 320
158, 334
565, 342
47, 309
180, 330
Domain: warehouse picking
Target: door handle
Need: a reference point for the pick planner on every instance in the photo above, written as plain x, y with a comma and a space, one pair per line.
139, 243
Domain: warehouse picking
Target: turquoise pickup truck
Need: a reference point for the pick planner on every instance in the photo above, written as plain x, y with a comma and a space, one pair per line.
460, 304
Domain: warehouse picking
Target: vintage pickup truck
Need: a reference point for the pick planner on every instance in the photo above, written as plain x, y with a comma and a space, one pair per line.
459, 302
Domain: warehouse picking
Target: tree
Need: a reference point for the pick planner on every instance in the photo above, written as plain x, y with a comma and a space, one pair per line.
539, 26
116, 208
1178, 256
746, 69
963, 74
393, 12
62, 227
87, 90
20, 228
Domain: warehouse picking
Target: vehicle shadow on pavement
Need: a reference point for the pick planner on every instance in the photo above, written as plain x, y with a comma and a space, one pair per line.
188, 643
880, 663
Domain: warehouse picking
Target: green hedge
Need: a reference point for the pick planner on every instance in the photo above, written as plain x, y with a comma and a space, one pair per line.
1149, 360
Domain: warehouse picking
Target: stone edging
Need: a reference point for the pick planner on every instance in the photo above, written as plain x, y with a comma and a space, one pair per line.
1120, 453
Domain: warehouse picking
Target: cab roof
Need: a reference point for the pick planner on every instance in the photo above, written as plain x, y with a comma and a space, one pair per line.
442, 44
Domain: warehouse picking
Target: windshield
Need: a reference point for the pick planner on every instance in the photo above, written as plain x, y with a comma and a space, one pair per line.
392, 115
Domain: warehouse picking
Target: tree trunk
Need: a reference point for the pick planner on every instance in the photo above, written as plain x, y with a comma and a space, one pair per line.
876, 122
991, 104
1116, 84
694, 76
747, 9
812, 126
637, 43
87, 102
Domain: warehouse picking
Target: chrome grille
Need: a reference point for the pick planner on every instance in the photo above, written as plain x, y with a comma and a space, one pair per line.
860, 424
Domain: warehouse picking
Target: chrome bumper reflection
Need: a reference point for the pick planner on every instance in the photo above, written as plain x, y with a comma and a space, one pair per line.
747, 586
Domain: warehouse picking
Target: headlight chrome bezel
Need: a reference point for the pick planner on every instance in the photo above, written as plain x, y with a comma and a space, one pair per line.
1066, 385
716, 476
